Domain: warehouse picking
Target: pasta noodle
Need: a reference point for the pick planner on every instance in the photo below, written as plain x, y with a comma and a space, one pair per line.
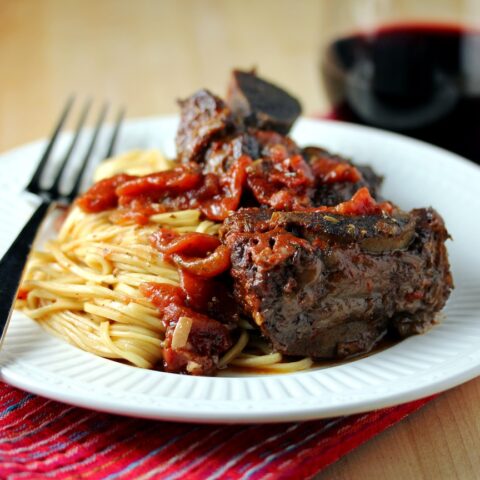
83, 287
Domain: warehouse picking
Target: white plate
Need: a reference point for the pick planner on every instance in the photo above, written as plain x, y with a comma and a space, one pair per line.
416, 175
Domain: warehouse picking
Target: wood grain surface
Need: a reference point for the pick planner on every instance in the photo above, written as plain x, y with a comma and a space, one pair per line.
145, 54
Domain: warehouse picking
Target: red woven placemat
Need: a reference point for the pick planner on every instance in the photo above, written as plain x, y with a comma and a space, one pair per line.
41, 438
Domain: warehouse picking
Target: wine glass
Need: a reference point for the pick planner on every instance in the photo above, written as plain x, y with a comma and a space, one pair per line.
408, 66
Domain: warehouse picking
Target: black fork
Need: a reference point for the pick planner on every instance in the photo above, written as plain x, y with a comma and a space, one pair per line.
13, 262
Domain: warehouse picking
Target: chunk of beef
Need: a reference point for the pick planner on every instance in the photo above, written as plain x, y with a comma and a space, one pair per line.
282, 176
287, 178
372, 233
247, 220
224, 152
207, 340
337, 179
260, 104
328, 286
198, 351
203, 118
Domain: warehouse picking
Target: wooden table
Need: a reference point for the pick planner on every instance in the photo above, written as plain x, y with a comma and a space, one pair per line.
145, 54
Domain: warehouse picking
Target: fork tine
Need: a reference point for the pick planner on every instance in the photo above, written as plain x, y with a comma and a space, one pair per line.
76, 187
118, 124
54, 189
34, 184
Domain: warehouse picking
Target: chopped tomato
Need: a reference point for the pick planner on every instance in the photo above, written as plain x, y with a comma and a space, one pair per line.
191, 244
211, 266
102, 196
179, 179
329, 170
362, 203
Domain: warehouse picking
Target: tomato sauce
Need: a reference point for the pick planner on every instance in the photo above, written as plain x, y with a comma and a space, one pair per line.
281, 178
207, 339
200, 257
362, 203
181, 188
327, 170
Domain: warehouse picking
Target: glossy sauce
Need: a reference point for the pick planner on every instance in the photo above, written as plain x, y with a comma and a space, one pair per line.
327, 170
362, 203
200, 297
182, 188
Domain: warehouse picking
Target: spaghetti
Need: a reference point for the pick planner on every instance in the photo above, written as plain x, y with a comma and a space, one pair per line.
85, 286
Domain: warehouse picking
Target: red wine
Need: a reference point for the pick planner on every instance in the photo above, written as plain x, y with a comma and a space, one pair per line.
421, 80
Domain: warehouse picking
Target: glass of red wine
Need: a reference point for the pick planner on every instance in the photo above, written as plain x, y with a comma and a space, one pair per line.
408, 66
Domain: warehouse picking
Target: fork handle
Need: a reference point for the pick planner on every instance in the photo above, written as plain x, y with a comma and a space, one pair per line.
13, 263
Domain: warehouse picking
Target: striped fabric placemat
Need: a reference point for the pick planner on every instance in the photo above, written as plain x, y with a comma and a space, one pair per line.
41, 438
